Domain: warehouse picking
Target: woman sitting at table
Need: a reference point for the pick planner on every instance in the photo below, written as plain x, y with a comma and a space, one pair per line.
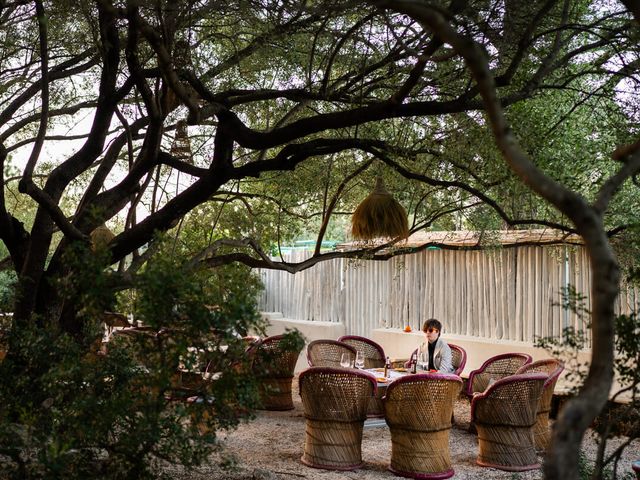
434, 354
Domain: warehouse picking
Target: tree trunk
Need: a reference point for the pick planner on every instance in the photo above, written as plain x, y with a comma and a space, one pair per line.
578, 414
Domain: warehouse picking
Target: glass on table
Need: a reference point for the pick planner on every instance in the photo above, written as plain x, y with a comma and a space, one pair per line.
345, 360
423, 358
359, 360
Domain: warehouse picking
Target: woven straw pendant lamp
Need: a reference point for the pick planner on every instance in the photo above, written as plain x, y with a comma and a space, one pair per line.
379, 215
100, 237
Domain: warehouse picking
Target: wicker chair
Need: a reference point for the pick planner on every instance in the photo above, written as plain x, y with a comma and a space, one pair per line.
418, 410
374, 356
504, 416
273, 365
335, 404
458, 358
113, 320
251, 340
553, 368
327, 353
494, 368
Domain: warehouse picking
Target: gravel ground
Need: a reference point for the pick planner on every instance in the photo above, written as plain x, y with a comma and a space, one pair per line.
270, 447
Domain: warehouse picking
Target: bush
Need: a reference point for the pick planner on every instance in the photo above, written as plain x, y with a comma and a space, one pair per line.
7, 290
71, 411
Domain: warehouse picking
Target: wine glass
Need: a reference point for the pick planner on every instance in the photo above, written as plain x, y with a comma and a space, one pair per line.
422, 365
359, 360
345, 360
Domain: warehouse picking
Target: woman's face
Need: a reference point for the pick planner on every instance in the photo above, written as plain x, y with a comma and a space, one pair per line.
431, 334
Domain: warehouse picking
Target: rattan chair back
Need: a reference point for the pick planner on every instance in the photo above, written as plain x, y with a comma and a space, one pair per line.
495, 368
374, 356
274, 362
418, 410
113, 320
335, 402
553, 368
328, 353
251, 341
504, 416
458, 358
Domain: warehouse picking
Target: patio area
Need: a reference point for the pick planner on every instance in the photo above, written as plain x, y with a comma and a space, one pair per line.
270, 447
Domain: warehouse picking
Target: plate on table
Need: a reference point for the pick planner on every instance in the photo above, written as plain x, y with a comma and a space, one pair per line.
400, 369
378, 370
382, 379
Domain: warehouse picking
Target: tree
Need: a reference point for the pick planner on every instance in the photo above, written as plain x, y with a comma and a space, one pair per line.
291, 109
587, 217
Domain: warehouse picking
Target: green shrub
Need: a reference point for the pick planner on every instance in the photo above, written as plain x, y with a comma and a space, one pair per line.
7, 290
70, 411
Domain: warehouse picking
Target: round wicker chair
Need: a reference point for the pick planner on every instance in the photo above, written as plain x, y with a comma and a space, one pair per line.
335, 404
113, 320
251, 340
553, 368
327, 353
273, 365
374, 356
418, 410
504, 416
493, 369
458, 358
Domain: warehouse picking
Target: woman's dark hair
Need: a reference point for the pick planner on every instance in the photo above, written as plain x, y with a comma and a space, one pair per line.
432, 323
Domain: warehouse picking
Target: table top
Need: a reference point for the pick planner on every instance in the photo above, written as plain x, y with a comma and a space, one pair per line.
392, 374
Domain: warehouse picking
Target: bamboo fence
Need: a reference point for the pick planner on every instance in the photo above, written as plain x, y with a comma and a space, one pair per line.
504, 293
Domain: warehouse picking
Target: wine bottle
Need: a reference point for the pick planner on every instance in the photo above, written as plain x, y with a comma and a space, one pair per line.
414, 363
387, 366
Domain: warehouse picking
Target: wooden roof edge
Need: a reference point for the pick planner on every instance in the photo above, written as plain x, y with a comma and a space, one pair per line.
476, 238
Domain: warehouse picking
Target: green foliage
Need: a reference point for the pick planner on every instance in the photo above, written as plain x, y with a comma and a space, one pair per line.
627, 248
7, 290
586, 471
293, 340
628, 348
87, 282
573, 340
267, 74
79, 411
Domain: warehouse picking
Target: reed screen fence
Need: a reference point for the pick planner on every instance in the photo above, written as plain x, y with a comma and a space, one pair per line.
504, 294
